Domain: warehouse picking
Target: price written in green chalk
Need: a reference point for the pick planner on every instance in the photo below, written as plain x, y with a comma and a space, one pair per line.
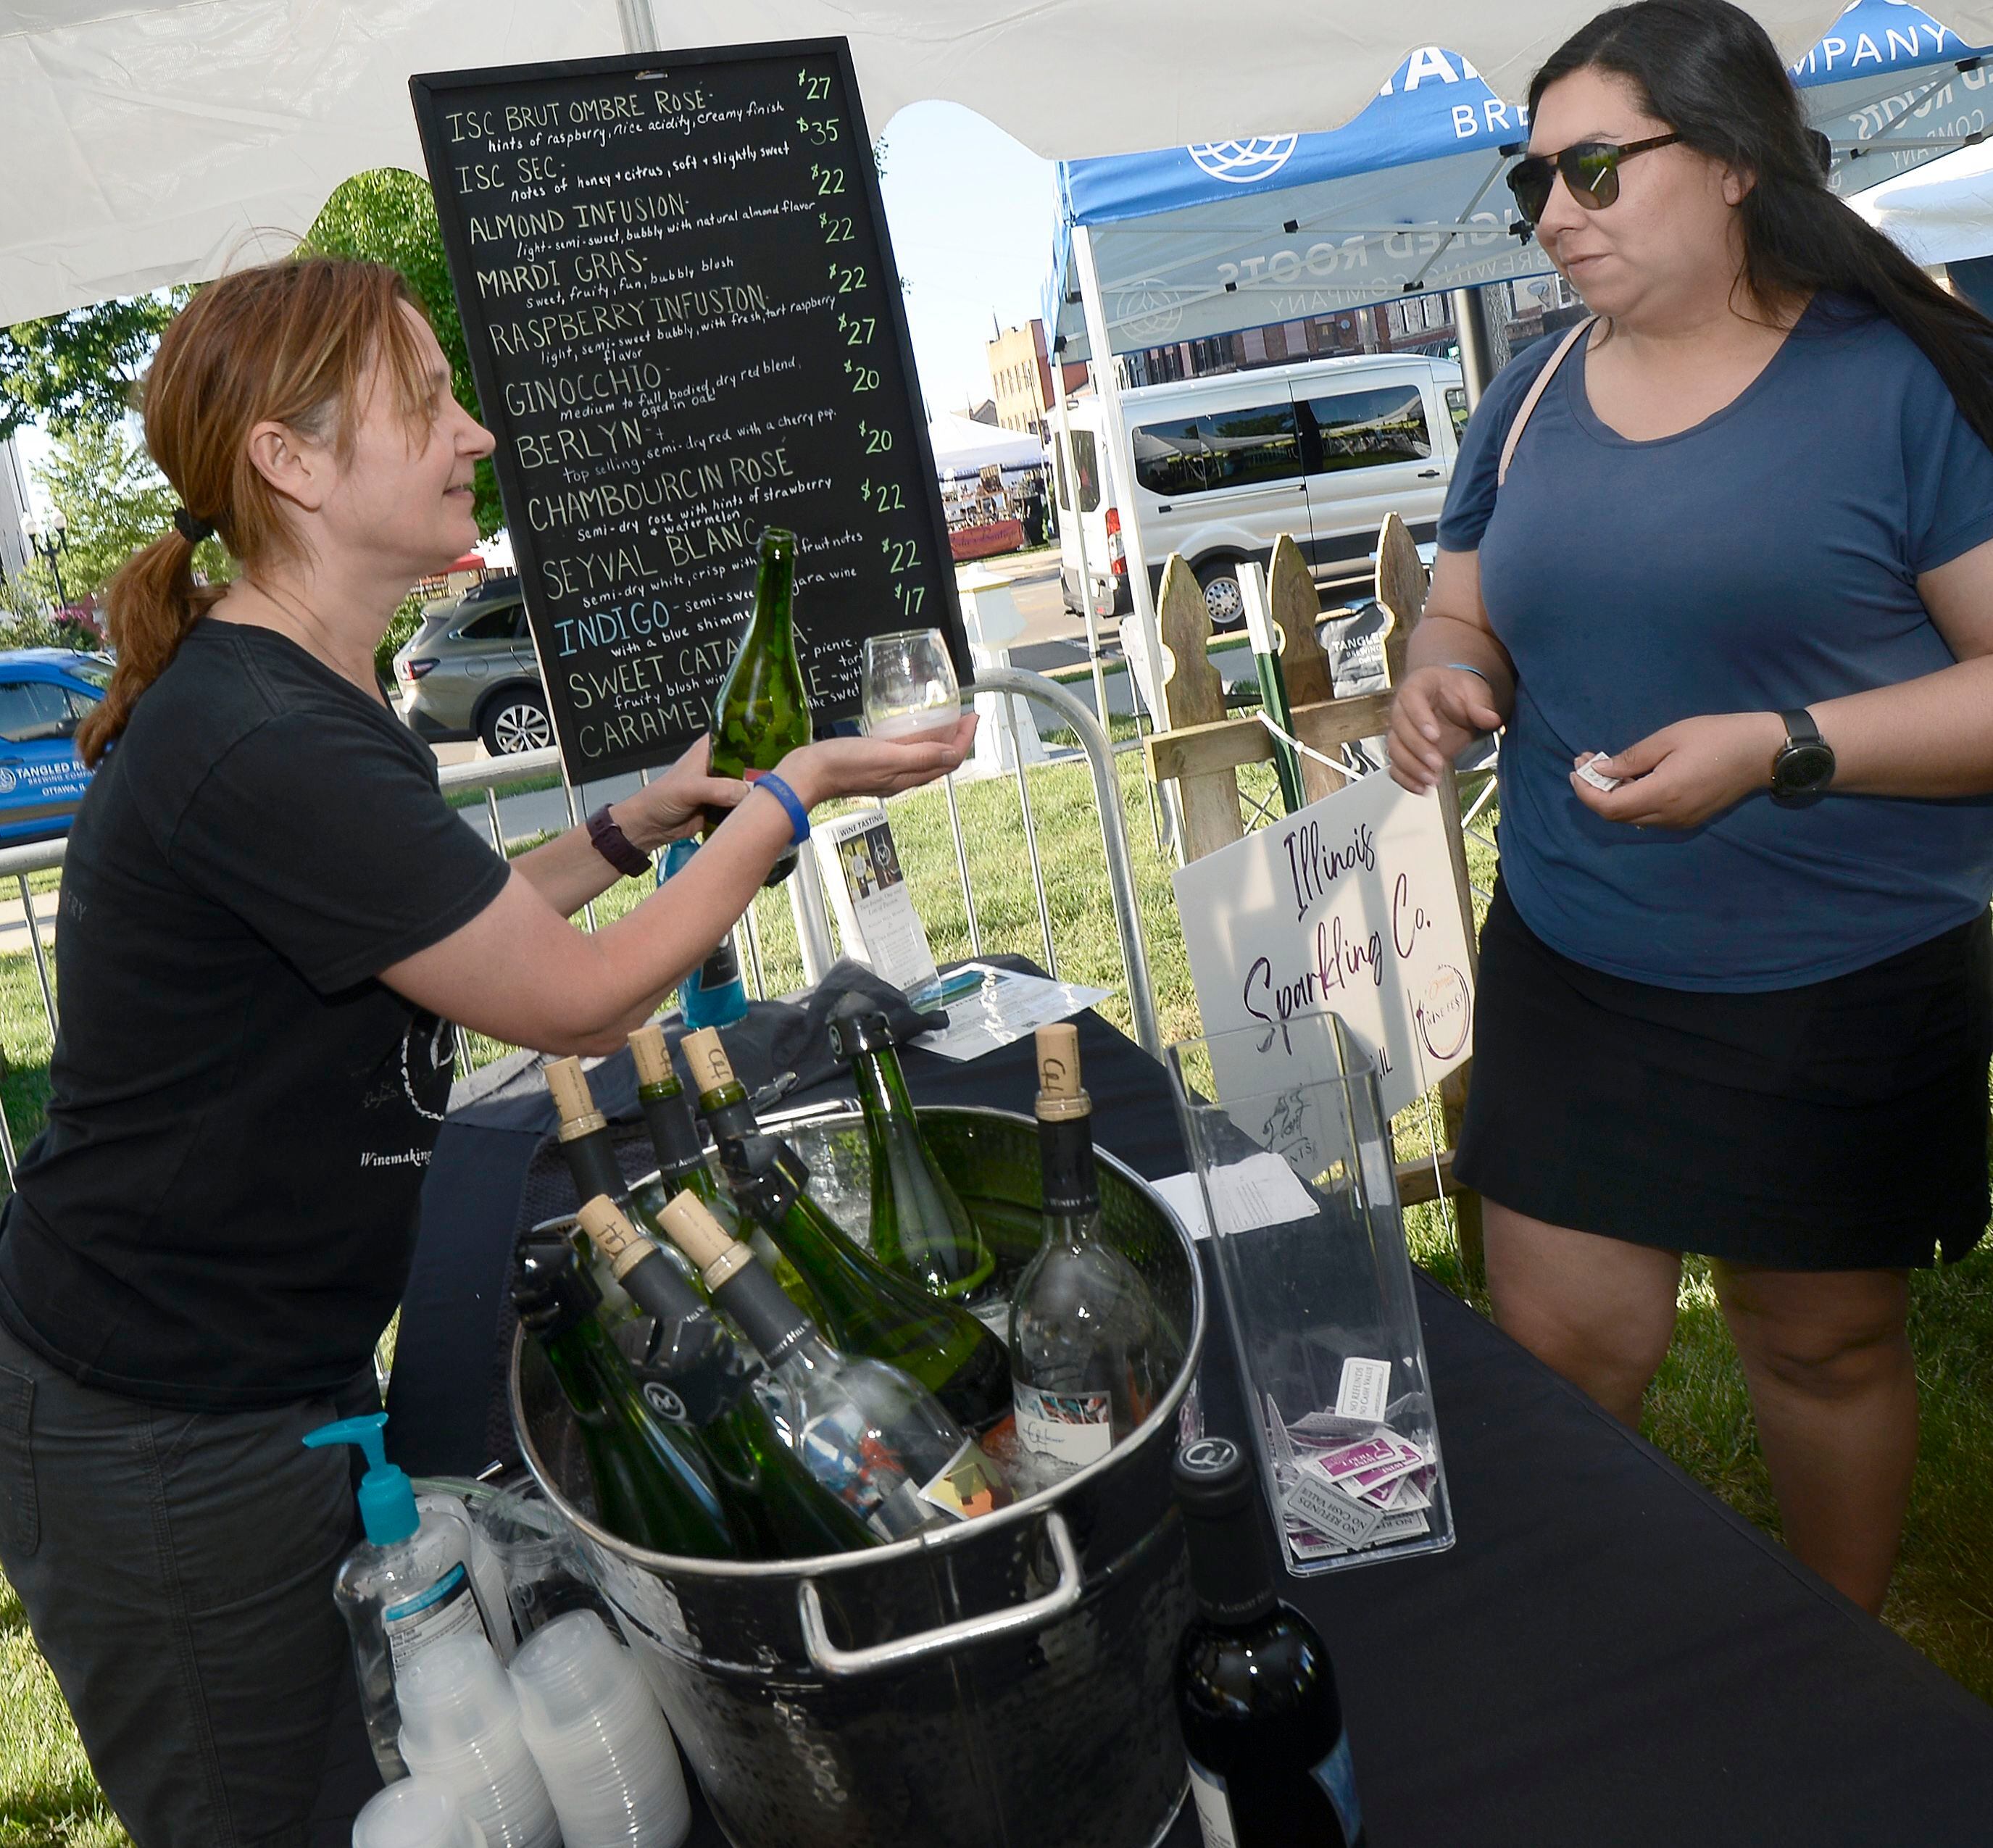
848, 280
819, 131
830, 180
910, 597
814, 89
863, 378
901, 555
883, 496
835, 229
857, 328
877, 441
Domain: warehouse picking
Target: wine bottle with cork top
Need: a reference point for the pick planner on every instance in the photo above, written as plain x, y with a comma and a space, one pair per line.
653, 1486
698, 1376
761, 712
919, 1225
866, 1309
869, 1432
679, 1144
589, 1151
1084, 1346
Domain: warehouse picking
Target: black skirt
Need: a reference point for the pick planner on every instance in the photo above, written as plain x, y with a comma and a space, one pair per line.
1838, 1126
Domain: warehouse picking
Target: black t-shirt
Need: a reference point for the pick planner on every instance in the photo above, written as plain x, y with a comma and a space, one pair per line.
221, 1213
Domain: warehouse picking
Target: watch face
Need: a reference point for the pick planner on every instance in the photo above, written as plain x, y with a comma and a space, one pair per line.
1802, 766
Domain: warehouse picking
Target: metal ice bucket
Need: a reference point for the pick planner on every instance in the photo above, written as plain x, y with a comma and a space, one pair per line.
1005, 1683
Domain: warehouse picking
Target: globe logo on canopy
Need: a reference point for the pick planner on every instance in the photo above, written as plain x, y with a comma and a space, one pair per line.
1239, 163
1149, 310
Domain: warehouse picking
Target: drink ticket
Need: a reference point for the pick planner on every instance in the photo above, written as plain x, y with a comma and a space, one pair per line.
1334, 1516
1365, 1389
1587, 772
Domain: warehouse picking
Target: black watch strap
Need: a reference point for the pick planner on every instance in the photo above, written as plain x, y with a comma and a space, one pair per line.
613, 845
1799, 728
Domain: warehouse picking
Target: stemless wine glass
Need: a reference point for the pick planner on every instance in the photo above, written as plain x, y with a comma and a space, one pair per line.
909, 684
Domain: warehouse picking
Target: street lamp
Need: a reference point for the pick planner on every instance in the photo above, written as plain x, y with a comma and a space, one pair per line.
51, 539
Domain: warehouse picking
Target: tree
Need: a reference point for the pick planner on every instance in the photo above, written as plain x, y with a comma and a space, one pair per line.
84, 366
388, 215
114, 500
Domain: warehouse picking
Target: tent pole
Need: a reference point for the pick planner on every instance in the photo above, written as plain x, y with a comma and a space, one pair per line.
1477, 345
1142, 598
1063, 437
640, 29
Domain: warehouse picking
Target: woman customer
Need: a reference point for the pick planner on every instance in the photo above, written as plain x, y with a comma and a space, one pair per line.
1736, 996
268, 918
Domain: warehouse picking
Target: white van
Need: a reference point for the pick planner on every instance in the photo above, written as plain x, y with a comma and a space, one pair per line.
1323, 449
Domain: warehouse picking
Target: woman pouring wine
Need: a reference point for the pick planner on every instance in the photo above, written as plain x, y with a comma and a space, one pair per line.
269, 917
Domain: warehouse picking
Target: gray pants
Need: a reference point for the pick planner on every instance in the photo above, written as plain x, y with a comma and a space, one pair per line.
176, 1569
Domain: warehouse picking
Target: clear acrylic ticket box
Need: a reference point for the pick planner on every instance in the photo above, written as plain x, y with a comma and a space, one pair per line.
1292, 1154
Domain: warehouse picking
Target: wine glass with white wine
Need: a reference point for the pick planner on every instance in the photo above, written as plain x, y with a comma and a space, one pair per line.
910, 686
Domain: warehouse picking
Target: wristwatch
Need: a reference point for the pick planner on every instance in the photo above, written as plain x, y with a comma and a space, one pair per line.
614, 845
1804, 764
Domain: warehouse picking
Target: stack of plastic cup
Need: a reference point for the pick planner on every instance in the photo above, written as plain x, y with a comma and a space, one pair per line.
460, 1725
418, 1812
602, 1747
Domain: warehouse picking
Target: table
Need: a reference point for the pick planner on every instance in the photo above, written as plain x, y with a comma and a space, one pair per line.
1609, 1658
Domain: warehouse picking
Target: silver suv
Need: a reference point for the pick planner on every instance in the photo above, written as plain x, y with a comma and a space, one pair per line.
468, 671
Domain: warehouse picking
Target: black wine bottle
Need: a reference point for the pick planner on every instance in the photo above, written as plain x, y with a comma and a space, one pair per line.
698, 1376
761, 712
865, 1308
653, 1486
1085, 1346
920, 1227
1255, 1693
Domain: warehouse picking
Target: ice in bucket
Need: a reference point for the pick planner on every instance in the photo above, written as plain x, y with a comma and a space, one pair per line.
1286, 1131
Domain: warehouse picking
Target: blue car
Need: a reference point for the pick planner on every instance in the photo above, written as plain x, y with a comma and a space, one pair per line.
44, 694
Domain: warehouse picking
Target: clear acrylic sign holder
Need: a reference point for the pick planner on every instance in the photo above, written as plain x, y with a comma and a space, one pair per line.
1293, 1154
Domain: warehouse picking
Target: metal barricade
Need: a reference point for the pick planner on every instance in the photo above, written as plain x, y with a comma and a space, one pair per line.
493, 775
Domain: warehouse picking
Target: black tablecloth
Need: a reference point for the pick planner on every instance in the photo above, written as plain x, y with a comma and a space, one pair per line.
1607, 1658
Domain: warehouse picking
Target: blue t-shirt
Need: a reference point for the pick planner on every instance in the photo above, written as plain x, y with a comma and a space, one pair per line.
1767, 559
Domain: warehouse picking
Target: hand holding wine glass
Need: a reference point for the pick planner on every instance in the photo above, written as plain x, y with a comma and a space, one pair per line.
910, 687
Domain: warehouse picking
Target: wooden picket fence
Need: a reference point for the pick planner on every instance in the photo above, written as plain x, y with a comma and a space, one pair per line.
1201, 747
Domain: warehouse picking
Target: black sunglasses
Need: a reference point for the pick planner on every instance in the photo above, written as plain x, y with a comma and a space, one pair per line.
1591, 169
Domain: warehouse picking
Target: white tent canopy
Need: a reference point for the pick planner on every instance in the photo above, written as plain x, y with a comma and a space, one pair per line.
1941, 213
963, 446
147, 144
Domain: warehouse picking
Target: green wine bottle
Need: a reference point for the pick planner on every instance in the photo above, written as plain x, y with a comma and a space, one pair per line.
680, 1146
920, 1227
652, 1486
761, 712
590, 1152
1085, 1346
866, 1309
699, 1376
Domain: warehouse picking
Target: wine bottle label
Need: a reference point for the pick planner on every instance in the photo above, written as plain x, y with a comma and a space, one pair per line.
447, 1609
1334, 1776
839, 1450
1337, 1776
1074, 1429
1214, 1807
967, 1486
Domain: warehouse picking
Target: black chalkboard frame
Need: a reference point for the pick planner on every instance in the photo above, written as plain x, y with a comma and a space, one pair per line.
428, 91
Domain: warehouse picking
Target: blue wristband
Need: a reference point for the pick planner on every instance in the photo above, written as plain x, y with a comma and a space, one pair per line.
798, 815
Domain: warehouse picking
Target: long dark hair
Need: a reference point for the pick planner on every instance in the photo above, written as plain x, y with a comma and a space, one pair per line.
1711, 71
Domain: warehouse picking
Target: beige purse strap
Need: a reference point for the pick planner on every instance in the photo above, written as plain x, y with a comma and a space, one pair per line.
1536, 390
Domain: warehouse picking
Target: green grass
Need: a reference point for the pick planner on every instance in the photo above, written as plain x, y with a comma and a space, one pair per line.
1698, 1412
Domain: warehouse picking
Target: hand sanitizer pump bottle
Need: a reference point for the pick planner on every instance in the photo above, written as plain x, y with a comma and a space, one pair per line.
406, 1585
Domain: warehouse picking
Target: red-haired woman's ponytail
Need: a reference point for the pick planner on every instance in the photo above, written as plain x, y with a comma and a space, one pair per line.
149, 606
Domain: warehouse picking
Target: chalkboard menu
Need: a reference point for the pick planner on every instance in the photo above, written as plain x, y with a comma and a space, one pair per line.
686, 324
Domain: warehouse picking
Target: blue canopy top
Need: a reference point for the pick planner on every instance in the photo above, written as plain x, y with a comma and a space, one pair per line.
1407, 198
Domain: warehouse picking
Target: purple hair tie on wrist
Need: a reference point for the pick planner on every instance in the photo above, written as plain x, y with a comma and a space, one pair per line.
192, 529
799, 825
